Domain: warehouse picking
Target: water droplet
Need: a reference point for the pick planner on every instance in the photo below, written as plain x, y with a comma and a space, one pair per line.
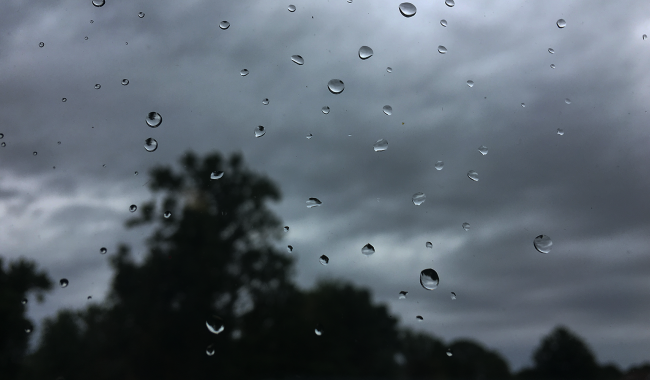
472, 175
567, 101
324, 260
216, 174
209, 350
2, 135
41, 44
297, 59
365, 52
388, 110
215, 325
59, 142
523, 105
133, 208
243, 72
89, 297
552, 65
449, 353
442, 49
224, 25
309, 136
153, 119
86, 38
103, 250
4, 144
24, 301
135, 173
402, 294
380, 145
543, 244
313, 202
318, 330
561, 23
265, 101
167, 214
28, 330
483, 149
98, 86
439, 165
443, 22
470, 83
419, 318
429, 279
550, 50
389, 69
453, 295
560, 131
34, 153
368, 249
91, 21
419, 198
645, 37
141, 14
286, 228
259, 131
429, 245
335, 86
407, 9
450, 3
466, 226
64, 282
289, 248
64, 100
150, 144
98, 3
125, 82
291, 8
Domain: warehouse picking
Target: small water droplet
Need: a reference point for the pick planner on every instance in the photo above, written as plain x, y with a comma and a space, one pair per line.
265, 101
260, 131
419, 318
86, 38
318, 330
550, 50
472, 175
325, 110
215, 325
291, 8
150, 144
313, 202
380, 145
4, 144
645, 37
324, 260
309, 136
561, 23
429, 279
523, 105
483, 149
135, 173
28, 330
443, 22
125, 82
470, 83
34, 153
153, 119
2, 135
368, 249
141, 14
365, 52
167, 214
439, 165
41, 44
449, 353
402, 294
567, 101
64, 282
243, 72
453, 295
89, 297
450, 3
59, 142
335, 86
442, 49
389, 69
560, 131
209, 350
297, 59
466, 226
103, 250
91, 21
418, 198
224, 25
552, 65
98, 86
133, 208
286, 228
429, 245
24, 301
407, 9
98, 3
388, 110
543, 243
64, 100
218, 174
289, 248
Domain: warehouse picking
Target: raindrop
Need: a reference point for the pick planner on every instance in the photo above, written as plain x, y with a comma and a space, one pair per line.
4, 144
429, 245
58, 142
28, 330
466, 226
86, 38
141, 14
388, 110
289, 248
135, 173
318, 330
209, 350
324, 260
215, 324
24, 301
449, 353
523, 105
216, 174
167, 214
439, 165
335, 86
325, 110
153, 119
470, 83
472, 175
389, 69
450, 3
150, 144
292, 8
313, 202
483, 149
125, 82
552, 65
243, 72
550, 50
103, 250
543, 243
453, 295
297, 59
407, 9
133, 208
34, 153
259, 131
368, 249
429, 279
286, 228
365, 52
443, 22
645, 37
98, 3
89, 297
402, 294
41, 44
64, 282
442, 49
419, 318
560, 131
224, 25
561, 23
419, 198
380, 145
2, 135
567, 101
64, 100
91, 21
309, 136
98, 86
265, 101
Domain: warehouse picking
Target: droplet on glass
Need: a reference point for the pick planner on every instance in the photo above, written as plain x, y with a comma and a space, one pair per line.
552, 65
289, 248
483, 149
335, 86
429, 245
567, 101
523, 105
133, 208
470, 83
286, 228
2, 135
218, 174
313, 202
24, 301
453, 295
325, 110
4, 144
224, 25
64, 100
86, 38
291, 8
380, 145
64, 282
91, 21
389, 69
442, 49
365, 52
368, 249
243, 72
141, 14
125, 82
103, 250
41, 44
309, 136
215, 325
449, 353
388, 110
265, 101
318, 330
419, 198
543, 243
466, 226
561, 23
98, 86
443, 22
407, 9
89, 297
28, 330
429, 279
297, 59
645, 37
550, 50
153, 119
439, 165
324, 260
472, 175
150, 144
560, 131
450, 3
419, 318
259, 131
167, 214
98, 3
135, 173
34, 153
402, 294
209, 350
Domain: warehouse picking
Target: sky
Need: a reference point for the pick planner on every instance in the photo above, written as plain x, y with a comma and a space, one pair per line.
586, 189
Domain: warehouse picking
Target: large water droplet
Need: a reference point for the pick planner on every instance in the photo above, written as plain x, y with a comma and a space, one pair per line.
483, 149
429, 245
103, 250
560, 131
388, 110
153, 119
215, 325
41, 44
289, 248
64, 282
324, 260
443, 22
325, 110
419, 198
259, 131
365, 52
286, 228
449, 353
217, 174
133, 208
141, 14
368, 249
297, 59
429, 279
224, 25
567, 101
453, 295
543, 243
442, 49
265, 101
561, 23
335, 86
381, 145
291, 8
466, 226
402, 294
472, 175
407, 9
98, 86
243, 72
99, 3
125, 82
150, 144
209, 350
470, 83
313, 202
450, 3
550, 50
419, 318
389, 69
439, 165
167, 214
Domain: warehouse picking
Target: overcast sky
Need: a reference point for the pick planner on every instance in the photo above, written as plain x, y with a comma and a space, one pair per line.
587, 189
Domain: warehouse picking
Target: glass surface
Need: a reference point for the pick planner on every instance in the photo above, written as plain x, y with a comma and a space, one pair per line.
88, 89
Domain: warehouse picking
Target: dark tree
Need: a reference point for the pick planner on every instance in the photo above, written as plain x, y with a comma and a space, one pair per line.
563, 355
